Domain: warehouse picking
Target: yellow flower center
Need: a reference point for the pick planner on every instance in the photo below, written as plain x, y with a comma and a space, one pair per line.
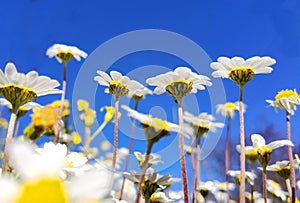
286, 94
179, 89
44, 190
251, 156
241, 75
274, 184
230, 105
76, 138
17, 95
160, 124
65, 56
118, 89
82, 105
46, 117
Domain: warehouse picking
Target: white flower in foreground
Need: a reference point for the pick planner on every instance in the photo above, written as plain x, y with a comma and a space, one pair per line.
65, 53
275, 188
240, 70
118, 85
20, 88
228, 109
202, 123
9, 188
179, 83
286, 100
39, 172
155, 128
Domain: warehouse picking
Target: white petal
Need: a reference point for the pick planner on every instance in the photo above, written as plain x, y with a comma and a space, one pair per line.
279, 143
258, 141
116, 75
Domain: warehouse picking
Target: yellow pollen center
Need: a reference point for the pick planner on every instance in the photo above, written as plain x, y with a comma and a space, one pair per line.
65, 56
160, 124
241, 75
230, 105
118, 89
44, 190
286, 94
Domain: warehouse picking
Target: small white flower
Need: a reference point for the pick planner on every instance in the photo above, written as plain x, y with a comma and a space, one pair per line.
140, 93
286, 100
180, 74
259, 143
117, 84
225, 65
250, 177
153, 158
229, 108
56, 49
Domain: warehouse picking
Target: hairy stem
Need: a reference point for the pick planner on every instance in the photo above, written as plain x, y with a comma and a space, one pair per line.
10, 131
144, 169
265, 184
227, 161
129, 150
62, 101
293, 176
116, 132
242, 143
181, 154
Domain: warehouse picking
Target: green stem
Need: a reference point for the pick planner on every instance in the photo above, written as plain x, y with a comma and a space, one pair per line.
62, 101
116, 132
227, 161
242, 143
10, 131
17, 127
252, 186
293, 176
181, 154
129, 150
96, 133
144, 169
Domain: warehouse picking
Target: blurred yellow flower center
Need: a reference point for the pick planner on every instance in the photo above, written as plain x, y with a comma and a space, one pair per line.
230, 105
82, 105
160, 124
65, 56
76, 138
45, 117
264, 149
66, 110
110, 112
241, 75
274, 184
286, 94
17, 95
44, 190
118, 89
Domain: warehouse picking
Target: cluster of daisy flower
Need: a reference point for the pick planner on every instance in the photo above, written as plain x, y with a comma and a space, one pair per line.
69, 168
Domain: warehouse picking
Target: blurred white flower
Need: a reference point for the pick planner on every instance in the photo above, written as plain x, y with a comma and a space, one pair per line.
65, 53
275, 188
228, 109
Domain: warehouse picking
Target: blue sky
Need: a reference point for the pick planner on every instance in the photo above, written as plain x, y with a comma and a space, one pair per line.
220, 28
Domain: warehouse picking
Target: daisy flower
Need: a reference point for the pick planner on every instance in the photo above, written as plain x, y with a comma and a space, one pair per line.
250, 177
275, 188
118, 85
20, 89
286, 100
159, 197
153, 159
228, 109
178, 84
64, 53
40, 171
240, 70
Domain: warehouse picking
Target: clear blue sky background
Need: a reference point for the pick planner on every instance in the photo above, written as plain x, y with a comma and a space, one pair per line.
221, 28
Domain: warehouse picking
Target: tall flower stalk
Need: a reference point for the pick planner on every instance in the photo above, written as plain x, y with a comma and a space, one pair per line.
20, 92
287, 100
64, 54
154, 129
178, 84
241, 71
119, 86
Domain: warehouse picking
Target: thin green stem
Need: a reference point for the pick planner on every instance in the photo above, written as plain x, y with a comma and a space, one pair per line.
144, 169
10, 131
87, 142
62, 101
116, 132
181, 154
242, 143
227, 161
293, 176
197, 170
252, 186
129, 150
99, 130
17, 127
